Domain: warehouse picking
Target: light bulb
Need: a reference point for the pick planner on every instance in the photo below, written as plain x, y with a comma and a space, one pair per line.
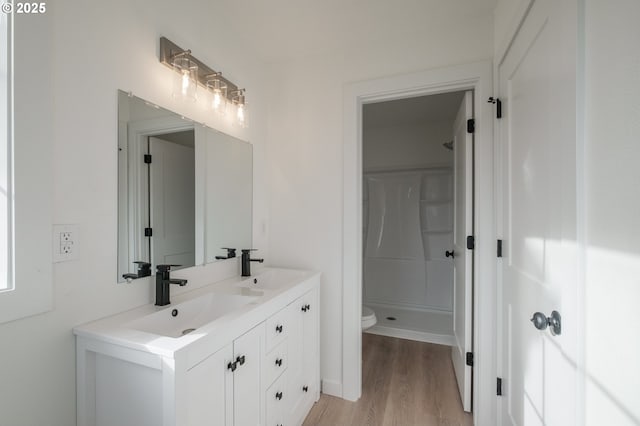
185, 82
241, 115
217, 100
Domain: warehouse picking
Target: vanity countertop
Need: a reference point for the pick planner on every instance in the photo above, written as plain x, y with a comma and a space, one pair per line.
267, 293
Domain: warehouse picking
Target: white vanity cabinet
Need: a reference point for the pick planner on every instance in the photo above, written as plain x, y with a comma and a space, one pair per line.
257, 366
231, 374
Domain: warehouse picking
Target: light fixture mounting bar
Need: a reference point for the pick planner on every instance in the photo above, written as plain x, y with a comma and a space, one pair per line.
168, 50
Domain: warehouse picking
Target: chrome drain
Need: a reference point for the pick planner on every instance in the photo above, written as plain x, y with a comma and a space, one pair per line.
187, 331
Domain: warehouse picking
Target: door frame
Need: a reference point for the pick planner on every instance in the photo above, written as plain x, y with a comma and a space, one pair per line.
479, 78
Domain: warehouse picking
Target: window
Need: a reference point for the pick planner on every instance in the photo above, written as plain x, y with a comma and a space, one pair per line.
6, 184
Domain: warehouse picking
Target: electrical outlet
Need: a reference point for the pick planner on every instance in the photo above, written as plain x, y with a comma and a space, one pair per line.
66, 248
65, 242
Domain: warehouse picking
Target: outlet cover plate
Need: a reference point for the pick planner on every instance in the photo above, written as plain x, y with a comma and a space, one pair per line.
65, 243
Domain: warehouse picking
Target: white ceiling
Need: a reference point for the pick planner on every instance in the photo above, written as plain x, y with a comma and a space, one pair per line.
280, 30
412, 111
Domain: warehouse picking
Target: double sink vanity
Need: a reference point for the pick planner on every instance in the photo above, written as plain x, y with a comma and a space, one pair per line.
243, 351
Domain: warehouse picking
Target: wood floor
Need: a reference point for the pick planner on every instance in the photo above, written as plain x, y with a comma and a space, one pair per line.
404, 383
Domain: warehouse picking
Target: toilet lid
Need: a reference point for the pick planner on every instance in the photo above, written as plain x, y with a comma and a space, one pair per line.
367, 313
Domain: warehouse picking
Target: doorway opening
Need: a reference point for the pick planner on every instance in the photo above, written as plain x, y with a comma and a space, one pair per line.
417, 212
408, 208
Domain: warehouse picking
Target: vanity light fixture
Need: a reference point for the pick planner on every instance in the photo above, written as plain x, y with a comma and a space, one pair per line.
193, 72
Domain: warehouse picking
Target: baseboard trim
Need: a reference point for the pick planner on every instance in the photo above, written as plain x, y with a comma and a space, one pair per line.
331, 387
419, 336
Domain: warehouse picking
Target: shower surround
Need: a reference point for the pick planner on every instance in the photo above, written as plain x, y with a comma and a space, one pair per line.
408, 227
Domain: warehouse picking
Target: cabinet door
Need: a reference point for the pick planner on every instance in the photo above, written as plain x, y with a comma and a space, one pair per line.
303, 369
311, 344
248, 353
210, 390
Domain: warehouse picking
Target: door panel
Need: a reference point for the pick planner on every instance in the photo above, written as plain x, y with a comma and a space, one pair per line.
463, 257
537, 145
172, 203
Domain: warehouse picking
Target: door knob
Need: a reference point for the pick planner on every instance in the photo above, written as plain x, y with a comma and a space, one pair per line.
449, 254
541, 322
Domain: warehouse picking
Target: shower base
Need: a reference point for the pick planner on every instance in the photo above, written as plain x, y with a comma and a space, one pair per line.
422, 326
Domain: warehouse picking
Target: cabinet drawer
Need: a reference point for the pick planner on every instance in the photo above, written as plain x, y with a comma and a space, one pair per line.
277, 329
276, 362
277, 402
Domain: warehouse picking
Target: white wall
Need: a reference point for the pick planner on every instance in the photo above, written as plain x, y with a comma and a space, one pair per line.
305, 147
612, 126
97, 48
507, 17
406, 146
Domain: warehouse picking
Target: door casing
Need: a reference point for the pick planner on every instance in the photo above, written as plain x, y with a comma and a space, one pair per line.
473, 76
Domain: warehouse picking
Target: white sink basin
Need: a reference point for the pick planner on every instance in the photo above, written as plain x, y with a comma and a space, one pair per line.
273, 279
183, 318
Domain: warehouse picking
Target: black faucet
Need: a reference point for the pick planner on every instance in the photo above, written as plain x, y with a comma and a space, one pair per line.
163, 280
144, 270
231, 253
246, 262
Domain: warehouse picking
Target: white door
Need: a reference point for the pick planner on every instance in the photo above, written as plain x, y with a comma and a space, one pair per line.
537, 219
172, 200
463, 256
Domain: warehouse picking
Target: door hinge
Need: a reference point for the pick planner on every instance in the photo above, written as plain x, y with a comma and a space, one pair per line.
499, 253
147, 159
498, 104
499, 386
471, 242
148, 232
470, 359
471, 125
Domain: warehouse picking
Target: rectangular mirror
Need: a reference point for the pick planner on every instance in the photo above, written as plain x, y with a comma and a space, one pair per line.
184, 190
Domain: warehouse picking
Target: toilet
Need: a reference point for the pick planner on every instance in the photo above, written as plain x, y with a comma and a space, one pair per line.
368, 317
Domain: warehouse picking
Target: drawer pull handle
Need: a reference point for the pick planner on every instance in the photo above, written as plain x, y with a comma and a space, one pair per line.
278, 396
279, 362
278, 328
240, 360
305, 388
306, 308
232, 366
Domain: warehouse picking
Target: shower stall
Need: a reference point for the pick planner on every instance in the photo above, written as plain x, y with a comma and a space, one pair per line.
407, 229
